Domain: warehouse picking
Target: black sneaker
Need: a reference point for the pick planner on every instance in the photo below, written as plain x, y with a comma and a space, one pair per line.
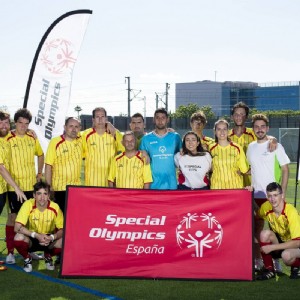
49, 263
266, 274
295, 273
57, 261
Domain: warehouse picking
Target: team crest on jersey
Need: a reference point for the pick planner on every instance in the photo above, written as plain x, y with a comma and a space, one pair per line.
162, 149
200, 233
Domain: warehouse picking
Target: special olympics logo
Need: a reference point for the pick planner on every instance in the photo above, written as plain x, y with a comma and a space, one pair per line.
201, 232
162, 149
57, 56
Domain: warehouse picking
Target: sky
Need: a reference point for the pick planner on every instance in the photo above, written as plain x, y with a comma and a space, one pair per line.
153, 42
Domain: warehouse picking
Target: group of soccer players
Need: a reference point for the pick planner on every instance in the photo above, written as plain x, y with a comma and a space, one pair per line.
157, 160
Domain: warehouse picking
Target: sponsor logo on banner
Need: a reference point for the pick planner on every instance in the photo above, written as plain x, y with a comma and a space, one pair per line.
199, 233
57, 55
112, 231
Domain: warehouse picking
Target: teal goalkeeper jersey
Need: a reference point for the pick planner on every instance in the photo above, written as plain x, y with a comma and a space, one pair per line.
161, 150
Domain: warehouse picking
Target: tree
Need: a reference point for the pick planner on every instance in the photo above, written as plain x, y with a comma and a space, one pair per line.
185, 111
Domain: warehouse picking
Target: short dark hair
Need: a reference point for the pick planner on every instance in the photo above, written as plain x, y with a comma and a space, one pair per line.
274, 186
198, 116
161, 110
260, 117
97, 109
4, 115
23, 113
240, 105
41, 185
138, 115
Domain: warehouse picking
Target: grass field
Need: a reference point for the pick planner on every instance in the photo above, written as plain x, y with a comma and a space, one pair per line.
44, 284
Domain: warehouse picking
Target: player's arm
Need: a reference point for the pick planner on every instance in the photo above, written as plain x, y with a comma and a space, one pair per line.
291, 244
48, 175
7, 177
284, 178
40, 163
111, 184
273, 143
146, 186
110, 128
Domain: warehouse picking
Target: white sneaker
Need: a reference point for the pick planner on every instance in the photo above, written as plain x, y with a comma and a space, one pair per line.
28, 265
36, 256
49, 263
277, 265
259, 264
10, 259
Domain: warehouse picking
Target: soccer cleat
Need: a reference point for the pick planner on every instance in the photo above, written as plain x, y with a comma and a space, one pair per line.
57, 261
295, 273
266, 274
49, 263
28, 265
10, 259
277, 265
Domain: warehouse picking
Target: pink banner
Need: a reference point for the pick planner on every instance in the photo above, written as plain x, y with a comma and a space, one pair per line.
158, 234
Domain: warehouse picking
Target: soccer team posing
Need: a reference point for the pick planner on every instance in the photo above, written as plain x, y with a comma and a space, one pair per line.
237, 158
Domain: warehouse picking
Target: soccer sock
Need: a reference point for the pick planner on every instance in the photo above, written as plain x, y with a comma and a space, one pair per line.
296, 263
22, 247
267, 258
55, 251
10, 235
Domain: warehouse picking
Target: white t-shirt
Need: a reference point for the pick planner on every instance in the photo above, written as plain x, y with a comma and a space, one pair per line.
265, 166
193, 170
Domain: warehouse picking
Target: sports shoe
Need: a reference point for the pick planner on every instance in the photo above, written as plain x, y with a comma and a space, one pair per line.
36, 256
277, 265
266, 274
28, 265
295, 273
49, 263
10, 259
57, 261
258, 264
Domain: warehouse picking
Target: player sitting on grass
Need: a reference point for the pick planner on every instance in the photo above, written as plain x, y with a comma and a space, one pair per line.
283, 237
39, 227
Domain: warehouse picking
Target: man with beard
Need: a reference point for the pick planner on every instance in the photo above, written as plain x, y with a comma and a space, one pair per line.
137, 126
4, 163
266, 167
161, 145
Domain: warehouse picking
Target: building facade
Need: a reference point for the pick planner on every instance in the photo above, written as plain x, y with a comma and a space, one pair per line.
221, 96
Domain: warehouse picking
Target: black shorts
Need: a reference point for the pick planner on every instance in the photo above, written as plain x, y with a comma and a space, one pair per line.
277, 253
184, 187
14, 204
35, 246
2, 201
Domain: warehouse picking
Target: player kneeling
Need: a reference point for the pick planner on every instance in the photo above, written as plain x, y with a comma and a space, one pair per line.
282, 240
39, 227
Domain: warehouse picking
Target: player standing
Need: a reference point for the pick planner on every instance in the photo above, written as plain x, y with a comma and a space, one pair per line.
24, 146
161, 146
129, 169
228, 160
